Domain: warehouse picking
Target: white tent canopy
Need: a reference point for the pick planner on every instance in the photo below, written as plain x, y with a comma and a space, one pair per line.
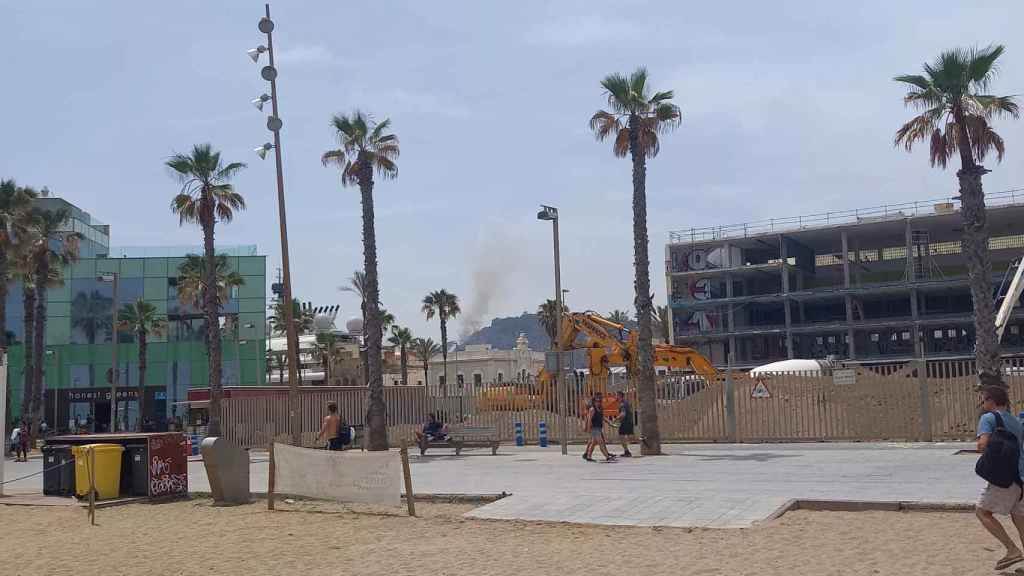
794, 366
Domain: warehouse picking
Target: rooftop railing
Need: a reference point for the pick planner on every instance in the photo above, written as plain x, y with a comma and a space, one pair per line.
832, 218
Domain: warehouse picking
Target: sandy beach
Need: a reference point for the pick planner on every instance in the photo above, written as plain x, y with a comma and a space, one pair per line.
193, 537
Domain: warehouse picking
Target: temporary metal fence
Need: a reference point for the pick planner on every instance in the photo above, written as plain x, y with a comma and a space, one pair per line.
937, 400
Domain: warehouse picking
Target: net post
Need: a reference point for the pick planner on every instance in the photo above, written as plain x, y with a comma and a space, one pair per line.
410, 499
92, 485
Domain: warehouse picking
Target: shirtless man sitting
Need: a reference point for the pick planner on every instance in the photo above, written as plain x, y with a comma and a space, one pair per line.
331, 429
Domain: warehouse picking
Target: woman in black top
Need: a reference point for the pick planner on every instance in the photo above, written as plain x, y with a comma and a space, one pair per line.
595, 417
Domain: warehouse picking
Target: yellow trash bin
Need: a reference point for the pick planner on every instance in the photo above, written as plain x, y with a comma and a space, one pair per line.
108, 469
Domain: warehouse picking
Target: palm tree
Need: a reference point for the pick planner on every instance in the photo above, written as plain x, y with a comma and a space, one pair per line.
387, 320
90, 313
424, 349
52, 249
206, 197
192, 280
547, 314
365, 147
15, 202
23, 269
302, 317
402, 337
635, 120
445, 306
141, 319
661, 322
326, 347
357, 286
956, 111
619, 316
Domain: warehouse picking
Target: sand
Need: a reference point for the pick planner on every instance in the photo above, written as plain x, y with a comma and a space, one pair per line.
193, 537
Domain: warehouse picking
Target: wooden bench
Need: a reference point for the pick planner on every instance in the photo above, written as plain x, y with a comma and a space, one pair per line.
460, 437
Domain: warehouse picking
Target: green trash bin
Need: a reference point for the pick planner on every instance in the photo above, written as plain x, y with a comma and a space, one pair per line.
108, 469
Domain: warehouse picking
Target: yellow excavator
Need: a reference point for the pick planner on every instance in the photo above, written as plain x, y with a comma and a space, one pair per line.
607, 344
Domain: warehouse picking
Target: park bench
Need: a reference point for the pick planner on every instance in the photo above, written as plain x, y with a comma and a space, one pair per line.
460, 437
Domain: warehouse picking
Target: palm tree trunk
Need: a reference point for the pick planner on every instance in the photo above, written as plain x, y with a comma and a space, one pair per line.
212, 322
979, 271
28, 394
39, 341
444, 355
405, 367
142, 377
376, 414
642, 301
426, 374
979, 264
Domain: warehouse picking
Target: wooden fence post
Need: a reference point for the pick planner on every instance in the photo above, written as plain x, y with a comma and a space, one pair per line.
410, 498
925, 400
271, 479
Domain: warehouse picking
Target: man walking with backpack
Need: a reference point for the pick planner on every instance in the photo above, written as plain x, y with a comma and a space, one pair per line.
999, 441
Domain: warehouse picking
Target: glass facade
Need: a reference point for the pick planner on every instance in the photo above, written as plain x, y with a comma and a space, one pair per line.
79, 339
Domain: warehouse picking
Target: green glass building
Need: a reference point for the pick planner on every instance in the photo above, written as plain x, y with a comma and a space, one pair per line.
79, 335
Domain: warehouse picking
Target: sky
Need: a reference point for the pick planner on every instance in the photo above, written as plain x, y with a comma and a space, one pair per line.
788, 108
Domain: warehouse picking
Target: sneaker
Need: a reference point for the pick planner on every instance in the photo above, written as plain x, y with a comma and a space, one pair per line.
588, 458
610, 458
627, 454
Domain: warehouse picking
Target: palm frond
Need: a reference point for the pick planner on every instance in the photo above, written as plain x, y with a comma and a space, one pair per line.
918, 128
604, 124
230, 171
660, 97
667, 116
996, 106
981, 66
621, 146
915, 80
618, 92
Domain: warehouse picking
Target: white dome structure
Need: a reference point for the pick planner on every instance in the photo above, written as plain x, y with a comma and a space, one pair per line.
323, 323
354, 326
795, 366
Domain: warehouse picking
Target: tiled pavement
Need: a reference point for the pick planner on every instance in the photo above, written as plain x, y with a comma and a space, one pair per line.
694, 485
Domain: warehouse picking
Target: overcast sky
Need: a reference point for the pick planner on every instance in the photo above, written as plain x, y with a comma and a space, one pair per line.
788, 108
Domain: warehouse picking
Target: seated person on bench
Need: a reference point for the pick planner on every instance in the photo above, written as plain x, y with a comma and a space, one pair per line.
433, 430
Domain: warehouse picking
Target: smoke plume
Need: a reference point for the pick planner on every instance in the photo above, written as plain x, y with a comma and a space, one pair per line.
494, 269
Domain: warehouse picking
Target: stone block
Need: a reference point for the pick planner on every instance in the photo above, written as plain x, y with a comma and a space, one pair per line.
227, 468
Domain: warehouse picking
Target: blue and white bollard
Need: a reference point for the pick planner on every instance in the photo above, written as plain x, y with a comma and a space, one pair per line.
520, 441
542, 429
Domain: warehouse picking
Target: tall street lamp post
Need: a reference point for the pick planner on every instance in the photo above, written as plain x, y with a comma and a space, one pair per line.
269, 73
550, 213
112, 277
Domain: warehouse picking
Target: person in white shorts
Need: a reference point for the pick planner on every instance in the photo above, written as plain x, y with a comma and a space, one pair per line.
995, 499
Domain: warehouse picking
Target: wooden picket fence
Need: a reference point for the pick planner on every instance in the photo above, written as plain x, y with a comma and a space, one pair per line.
936, 400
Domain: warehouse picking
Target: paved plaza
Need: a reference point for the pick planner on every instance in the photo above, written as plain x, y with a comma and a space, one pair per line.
726, 486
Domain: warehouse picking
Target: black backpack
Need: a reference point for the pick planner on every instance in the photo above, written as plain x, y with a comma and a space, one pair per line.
998, 463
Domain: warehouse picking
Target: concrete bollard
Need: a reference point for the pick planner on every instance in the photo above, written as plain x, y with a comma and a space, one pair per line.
542, 434
520, 440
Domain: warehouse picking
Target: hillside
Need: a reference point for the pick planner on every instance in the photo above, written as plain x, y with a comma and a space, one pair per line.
501, 334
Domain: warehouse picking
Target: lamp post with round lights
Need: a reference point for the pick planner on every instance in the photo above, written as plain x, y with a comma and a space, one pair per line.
274, 124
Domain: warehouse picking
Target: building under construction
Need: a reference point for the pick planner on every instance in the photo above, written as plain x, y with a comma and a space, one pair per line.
883, 283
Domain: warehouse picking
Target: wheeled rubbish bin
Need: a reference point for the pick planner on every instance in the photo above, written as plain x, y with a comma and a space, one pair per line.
108, 469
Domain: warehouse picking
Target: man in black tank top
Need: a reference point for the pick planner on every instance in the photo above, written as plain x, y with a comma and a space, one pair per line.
595, 420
